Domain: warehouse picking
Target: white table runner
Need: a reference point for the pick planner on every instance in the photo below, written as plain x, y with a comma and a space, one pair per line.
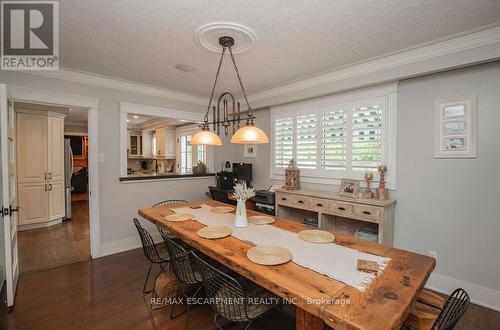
332, 260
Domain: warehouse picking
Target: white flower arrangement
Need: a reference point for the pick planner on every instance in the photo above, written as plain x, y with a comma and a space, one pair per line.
242, 192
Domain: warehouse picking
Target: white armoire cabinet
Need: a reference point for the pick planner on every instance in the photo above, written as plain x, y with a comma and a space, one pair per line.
40, 165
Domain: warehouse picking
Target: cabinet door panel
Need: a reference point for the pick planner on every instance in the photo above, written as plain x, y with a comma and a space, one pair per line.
56, 200
170, 144
55, 149
31, 148
33, 203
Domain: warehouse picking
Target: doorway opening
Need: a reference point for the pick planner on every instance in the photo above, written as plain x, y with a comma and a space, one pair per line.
53, 185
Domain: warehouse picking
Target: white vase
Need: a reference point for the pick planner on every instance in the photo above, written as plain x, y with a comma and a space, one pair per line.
240, 218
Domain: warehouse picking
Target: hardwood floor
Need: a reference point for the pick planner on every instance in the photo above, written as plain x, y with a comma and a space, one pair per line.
57, 245
106, 293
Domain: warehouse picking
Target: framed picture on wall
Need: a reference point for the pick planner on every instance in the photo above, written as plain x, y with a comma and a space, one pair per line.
455, 127
250, 151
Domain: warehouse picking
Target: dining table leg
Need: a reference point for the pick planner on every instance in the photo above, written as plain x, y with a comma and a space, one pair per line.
307, 321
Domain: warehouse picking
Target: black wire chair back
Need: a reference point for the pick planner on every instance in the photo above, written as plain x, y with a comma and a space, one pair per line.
226, 295
455, 307
181, 261
148, 245
170, 202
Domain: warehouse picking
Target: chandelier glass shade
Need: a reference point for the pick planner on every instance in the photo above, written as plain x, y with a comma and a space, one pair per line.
206, 138
249, 135
227, 115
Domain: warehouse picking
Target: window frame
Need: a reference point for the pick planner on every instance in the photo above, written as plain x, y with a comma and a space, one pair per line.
385, 94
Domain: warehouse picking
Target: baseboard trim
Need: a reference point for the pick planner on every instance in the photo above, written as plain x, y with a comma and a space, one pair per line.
39, 225
479, 295
126, 244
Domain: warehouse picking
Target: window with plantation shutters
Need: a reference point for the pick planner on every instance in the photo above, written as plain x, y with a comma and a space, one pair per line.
306, 141
283, 142
333, 140
366, 146
337, 137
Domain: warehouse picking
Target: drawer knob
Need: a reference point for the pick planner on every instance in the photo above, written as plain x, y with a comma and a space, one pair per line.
341, 208
301, 202
319, 204
367, 212
283, 198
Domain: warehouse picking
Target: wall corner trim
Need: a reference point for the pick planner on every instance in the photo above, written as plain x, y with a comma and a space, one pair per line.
479, 295
126, 244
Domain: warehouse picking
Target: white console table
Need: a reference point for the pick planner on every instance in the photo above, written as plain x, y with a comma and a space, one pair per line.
338, 213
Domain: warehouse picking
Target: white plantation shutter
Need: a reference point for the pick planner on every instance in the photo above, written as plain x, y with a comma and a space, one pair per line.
333, 142
283, 141
366, 138
306, 141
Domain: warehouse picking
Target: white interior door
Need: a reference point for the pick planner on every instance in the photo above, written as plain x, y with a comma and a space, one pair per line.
9, 196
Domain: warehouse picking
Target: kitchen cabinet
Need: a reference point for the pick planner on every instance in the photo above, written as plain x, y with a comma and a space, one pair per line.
31, 148
56, 200
33, 203
165, 143
40, 166
55, 154
134, 143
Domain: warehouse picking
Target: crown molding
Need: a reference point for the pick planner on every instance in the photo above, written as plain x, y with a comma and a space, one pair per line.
119, 84
473, 47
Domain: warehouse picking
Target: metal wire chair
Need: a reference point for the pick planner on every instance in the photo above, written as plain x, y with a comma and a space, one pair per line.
455, 307
185, 270
230, 299
170, 202
150, 252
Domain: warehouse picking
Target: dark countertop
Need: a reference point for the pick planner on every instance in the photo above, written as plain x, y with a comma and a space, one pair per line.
155, 176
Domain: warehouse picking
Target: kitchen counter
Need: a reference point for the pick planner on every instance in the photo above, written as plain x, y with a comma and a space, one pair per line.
156, 176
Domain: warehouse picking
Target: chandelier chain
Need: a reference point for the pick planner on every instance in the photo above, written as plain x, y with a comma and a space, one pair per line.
215, 83
241, 84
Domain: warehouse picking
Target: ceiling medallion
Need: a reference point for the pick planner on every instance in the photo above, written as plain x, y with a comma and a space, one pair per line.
208, 35
227, 114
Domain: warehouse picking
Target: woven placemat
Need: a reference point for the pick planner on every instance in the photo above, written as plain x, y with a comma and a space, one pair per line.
214, 232
179, 217
261, 220
269, 255
316, 236
222, 209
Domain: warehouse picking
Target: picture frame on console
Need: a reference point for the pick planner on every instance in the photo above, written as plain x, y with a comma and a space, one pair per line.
349, 188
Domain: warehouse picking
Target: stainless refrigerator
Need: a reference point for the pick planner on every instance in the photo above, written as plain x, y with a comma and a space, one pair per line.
68, 173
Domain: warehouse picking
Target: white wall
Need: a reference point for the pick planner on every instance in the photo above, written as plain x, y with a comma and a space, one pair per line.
118, 202
448, 206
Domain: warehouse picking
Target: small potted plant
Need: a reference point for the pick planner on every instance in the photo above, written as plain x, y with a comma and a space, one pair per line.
200, 168
242, 193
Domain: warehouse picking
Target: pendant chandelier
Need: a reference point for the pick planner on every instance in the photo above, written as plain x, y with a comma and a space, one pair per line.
227, 115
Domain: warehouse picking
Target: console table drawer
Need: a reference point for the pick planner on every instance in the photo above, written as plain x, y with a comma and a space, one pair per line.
282, 198
369, 212
340, 208
301, 201
320, 204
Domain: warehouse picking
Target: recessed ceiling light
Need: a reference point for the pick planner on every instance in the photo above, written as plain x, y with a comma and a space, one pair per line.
184, 67
135, 117
128, 120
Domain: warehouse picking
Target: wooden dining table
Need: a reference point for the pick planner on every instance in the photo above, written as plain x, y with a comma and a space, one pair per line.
318, 299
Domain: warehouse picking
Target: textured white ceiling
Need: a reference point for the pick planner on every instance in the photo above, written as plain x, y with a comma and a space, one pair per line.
142, 41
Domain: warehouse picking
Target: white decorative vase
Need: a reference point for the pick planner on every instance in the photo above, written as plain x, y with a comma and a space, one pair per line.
240, 218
